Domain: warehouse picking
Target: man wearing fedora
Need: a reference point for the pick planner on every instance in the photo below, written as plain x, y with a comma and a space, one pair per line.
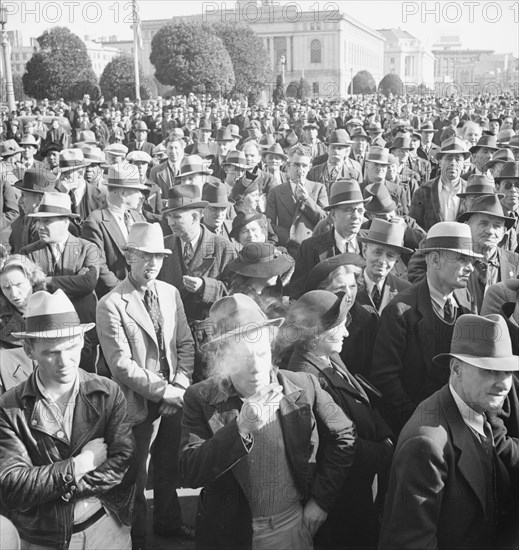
224, 141
481, 154
359, 148
69, 263
449, 487
204, 146
84, 197
215, 216
419, 323
382, 246
507, 184
66, 441
32, 187
249, 438
108, 227
427, 149
165, 173
310, 140
375, 132
337, 164
437, 200
408, 179
347, 208
140, 129
30, 146
153, 366
488, 224
199, 257
11, 168
296, 206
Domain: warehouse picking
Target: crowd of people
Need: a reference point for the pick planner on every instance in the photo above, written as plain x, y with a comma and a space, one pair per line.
309, 310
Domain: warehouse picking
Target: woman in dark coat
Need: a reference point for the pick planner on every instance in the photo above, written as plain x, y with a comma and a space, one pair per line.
317, 324
343, 273
19, 278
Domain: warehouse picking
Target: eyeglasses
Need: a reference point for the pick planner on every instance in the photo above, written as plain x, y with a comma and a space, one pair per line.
360, 210
511, 185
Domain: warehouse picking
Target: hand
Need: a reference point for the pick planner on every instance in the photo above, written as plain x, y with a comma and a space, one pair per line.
192, 284
92, 455
258, 409
168, 410
313, 516
173, 396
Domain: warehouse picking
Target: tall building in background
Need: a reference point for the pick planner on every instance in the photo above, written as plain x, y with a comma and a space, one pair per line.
405, 56
326, 46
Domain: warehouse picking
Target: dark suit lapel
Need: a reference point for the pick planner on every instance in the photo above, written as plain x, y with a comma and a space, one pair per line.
113, 230
469, 463
327, 244
435, 199
507, 270
287, 198
203, 258
426, 323
70, 255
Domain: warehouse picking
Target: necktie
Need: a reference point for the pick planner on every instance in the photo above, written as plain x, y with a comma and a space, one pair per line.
151, 303
128, 220
334, 173
376, 296
448, 312
188, 253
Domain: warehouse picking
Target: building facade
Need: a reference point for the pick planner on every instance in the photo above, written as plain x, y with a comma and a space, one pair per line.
326, 47
405, 56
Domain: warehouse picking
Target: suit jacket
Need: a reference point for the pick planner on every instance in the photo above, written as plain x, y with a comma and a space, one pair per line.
350, 170
437, 495
76, 272
211, 445
353, 519
283, 210
130, 346
425, 204
147, 147
408, 338
8, 204
210, 259
163, 177
102, 229
495, 297
23, 232
392, 286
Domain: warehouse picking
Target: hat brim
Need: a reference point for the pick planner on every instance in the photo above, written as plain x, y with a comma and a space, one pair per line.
474, 147
480, 194
462, 251
19, 184
221, 204
276, 323
355, 201
266, 270
206, 172
242, 166
192, 206
11, 153
280, 155
497, 179
466, 154
66, 332
504, 364
139, 186
70, 168
401, 249
509, 222
52, 215
148, 250
383, 163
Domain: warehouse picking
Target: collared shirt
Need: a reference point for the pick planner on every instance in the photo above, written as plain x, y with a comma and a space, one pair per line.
63, 420
193, 241
57, 249
175, 168
474, 420
449, 202
118, 214
346, 245
438, 301
370, 285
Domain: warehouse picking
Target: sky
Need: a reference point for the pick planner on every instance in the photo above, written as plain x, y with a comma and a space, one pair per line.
479, 24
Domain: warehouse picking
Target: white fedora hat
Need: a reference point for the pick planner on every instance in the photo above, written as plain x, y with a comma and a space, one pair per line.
51, 316
146, 237
54, 205
453, 236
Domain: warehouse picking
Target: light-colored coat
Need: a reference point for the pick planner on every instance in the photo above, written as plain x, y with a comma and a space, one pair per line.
131, 349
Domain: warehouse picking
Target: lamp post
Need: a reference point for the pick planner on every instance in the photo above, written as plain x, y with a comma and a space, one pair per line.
6, 49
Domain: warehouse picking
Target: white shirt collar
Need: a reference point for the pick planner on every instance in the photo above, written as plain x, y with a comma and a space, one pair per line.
193, 241
370, 284
341, 242
472, 419
440, 298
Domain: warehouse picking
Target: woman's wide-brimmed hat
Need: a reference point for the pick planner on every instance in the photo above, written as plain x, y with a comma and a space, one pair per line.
236, 317
487, 204
317, 309
54, 205
321, 270
51, 316
261, 260
480, 186
146, 237
483, 342
184, 197
452, 236
345, 191
389, 234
